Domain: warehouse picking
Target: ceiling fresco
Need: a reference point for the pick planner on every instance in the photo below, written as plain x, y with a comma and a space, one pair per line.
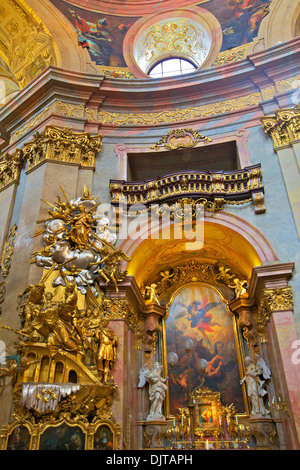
102, 26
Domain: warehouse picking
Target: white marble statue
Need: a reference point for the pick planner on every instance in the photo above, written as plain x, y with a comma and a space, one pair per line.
255, 386
157, 389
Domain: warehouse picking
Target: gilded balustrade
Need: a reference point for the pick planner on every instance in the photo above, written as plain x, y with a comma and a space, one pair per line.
230, 186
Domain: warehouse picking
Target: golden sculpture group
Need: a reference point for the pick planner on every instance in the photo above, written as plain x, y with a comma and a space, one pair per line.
64, 319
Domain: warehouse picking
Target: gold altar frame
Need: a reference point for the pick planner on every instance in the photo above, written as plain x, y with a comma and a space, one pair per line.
237, 336
208, 412
36, 430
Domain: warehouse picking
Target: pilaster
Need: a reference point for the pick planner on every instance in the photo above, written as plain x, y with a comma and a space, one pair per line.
275, 325
284, 129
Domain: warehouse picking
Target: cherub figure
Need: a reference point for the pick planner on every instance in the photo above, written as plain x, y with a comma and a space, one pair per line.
165, 276
239, 287
150, 294
223, 274
111, 271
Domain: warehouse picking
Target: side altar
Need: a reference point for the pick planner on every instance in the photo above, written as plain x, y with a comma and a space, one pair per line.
69, 368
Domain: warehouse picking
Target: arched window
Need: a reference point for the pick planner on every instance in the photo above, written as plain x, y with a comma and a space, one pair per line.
172, 67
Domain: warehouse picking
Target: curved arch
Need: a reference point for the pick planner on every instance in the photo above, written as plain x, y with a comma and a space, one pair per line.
272, 29
73, 57
228, 239
199, 15
26, 31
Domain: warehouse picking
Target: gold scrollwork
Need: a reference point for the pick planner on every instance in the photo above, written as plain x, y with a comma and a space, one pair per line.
199, 272
7, 255
207, 188
232, 55
68, 433
177, 115
180, 138
208, 412
173, 36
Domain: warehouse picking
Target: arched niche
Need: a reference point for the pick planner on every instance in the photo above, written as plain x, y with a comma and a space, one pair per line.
227, 240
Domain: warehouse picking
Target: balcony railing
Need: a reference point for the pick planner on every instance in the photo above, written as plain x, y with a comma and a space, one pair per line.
236, 186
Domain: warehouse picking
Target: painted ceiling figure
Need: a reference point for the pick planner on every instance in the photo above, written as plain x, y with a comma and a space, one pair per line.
96, 37
247, 16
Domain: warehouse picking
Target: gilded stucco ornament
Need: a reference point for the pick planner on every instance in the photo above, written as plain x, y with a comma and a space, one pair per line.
6, 259
195, 271
283, 127
278, 299
10, 168
210, 190
78, 241
27, 45
181, 138
62, 145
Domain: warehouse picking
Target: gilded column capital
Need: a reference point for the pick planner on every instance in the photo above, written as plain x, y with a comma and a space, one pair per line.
277, 299
62, 145
10, 168
280, 298
283, 127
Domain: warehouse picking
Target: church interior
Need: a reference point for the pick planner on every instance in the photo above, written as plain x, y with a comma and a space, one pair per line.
150, 207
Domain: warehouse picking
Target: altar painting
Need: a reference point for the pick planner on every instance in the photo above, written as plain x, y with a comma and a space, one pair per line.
62, 437
197, 312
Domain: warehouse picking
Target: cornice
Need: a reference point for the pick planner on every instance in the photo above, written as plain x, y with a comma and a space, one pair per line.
52, 85
85, 100
269, 276
278, 55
